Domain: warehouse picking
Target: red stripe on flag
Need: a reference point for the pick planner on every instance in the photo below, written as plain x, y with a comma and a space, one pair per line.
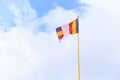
70, 27
60, 37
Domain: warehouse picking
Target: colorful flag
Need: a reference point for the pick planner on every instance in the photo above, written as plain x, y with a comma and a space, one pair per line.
65, 30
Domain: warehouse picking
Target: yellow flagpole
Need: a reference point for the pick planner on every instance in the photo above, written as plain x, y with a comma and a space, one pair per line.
78, 37
78, 58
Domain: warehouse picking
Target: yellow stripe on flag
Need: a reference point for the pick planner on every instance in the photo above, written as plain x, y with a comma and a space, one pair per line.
74, 27
59, 33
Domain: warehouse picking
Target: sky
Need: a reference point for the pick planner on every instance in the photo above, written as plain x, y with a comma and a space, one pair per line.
29, 47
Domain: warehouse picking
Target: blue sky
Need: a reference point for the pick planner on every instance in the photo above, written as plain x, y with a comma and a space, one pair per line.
43, 7
29, 48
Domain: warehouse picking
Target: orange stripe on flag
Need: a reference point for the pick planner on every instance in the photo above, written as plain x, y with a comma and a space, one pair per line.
73, 27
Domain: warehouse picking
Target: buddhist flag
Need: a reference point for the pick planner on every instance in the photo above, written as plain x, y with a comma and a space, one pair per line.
65, 30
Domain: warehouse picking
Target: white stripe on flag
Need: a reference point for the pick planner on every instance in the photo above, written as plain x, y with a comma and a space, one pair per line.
65, 29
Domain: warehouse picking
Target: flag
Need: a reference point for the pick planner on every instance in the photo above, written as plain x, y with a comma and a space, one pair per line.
65, 30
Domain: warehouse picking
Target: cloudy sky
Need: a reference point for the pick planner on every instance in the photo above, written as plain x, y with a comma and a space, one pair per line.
29, 48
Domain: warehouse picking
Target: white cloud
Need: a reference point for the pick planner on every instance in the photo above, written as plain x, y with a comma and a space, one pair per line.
24, 14
107, 5
99, 36
17, 56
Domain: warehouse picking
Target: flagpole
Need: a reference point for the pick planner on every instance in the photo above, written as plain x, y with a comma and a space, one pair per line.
78, 37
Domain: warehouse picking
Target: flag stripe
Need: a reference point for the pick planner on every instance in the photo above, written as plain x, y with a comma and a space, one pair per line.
65, 30
59, 33
58, 29
70, 28
60, 37
74, 27
77, 26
